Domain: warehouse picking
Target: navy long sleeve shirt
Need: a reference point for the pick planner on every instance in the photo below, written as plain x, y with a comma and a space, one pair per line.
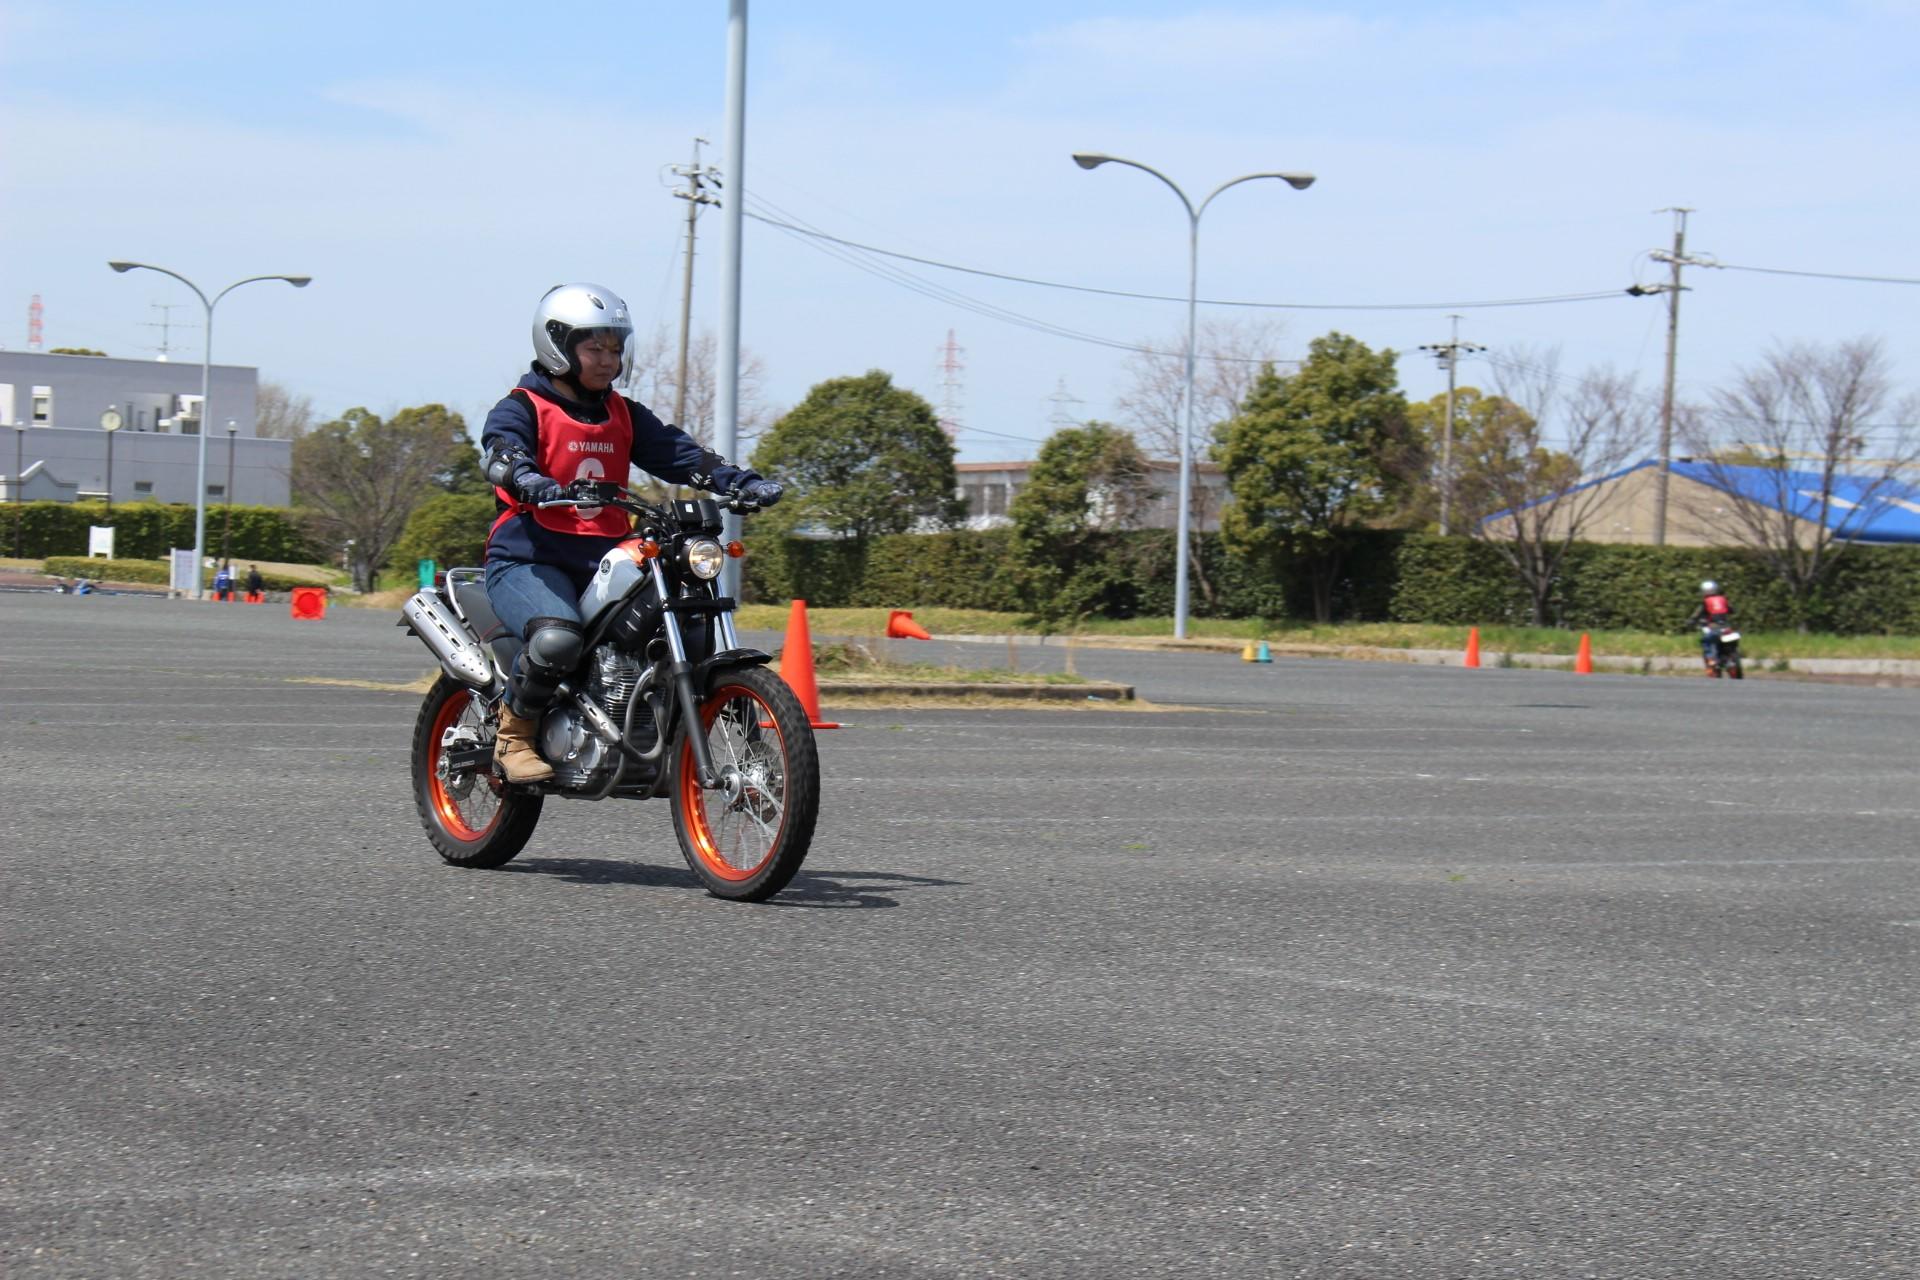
658, 449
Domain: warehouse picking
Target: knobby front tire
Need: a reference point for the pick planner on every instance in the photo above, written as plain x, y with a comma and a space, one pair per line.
475, 820
745, 840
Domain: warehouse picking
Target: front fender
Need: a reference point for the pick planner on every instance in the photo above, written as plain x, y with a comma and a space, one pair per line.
724, 661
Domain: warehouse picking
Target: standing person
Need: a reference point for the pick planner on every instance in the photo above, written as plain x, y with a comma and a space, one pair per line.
256, 585
1713, 614
223, 582
561, 424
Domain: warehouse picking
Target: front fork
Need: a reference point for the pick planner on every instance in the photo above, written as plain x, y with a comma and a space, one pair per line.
681, 673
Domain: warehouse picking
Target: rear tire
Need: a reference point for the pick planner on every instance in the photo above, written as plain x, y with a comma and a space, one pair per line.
746, 841
474, 819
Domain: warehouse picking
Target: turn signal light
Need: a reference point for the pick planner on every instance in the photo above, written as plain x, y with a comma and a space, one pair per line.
736, 549
648, 549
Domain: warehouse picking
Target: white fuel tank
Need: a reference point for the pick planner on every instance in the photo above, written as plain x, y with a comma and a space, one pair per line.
619, 569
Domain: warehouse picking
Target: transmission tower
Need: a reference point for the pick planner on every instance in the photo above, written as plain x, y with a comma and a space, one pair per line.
165, 325
34, 312
951, 367
1063, 416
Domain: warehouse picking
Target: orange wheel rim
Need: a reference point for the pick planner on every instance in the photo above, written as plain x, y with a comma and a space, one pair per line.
446, 807
708, 845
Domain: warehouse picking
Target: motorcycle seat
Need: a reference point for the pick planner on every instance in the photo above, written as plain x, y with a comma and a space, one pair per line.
471, 595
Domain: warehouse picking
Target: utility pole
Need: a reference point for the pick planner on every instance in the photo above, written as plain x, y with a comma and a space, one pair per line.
1673, 289
1448, 353
694, 193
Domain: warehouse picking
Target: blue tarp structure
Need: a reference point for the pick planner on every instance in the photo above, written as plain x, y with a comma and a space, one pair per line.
1862, 508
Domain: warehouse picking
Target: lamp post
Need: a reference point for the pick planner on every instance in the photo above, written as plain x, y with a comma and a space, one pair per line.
110, 422
19, 462
206, 396
1182, 538
226, 533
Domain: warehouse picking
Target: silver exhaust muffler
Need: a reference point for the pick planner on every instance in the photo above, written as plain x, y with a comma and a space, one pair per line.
461, 655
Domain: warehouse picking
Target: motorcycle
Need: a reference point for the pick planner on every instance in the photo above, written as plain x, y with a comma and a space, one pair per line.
665, 703
1723, 651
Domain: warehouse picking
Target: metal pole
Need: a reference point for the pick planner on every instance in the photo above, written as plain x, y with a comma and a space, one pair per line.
200, 474
1183, 538
110, 436
1446, 436
19, 463
226, 535
727, 374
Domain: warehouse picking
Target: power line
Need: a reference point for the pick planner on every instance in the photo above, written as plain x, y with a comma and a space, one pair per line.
1818, 275
815, 233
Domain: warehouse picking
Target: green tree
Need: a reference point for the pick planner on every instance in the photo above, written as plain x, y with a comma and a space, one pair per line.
462, 473
1088, 480
861, 457
448, 528
359, 477
1311, 458
74, 351
1485, 428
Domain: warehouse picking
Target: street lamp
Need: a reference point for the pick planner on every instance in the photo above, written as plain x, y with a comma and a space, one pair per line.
226, 534
19, 462
206, 397
110, 422
1182, 539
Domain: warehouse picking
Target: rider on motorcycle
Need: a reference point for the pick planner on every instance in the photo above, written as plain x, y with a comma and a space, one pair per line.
561, 424
1713, 614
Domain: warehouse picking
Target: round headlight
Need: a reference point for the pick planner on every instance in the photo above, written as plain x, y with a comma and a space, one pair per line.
705, 557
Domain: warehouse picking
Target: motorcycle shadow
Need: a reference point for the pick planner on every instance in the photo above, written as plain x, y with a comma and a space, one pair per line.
834, 889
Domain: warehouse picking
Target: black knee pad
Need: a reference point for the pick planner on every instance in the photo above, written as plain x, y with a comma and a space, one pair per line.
553, 647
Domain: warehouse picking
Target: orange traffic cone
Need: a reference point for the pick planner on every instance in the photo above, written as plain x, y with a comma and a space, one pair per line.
796, 666
901, 626
1473, 649
1583, 661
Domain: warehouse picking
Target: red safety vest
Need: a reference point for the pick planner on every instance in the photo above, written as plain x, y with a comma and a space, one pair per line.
570, 450
1717, 606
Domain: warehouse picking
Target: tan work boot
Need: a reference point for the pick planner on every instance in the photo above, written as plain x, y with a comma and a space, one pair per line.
513, 749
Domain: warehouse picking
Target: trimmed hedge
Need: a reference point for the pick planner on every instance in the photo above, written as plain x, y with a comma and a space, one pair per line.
1388, 576
147, 530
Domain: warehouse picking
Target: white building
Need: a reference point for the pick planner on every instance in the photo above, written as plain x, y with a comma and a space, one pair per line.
988, 489
56, 450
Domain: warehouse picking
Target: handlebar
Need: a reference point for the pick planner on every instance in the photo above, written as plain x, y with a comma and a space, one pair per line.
602, 493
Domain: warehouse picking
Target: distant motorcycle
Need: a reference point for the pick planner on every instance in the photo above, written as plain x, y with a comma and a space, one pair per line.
664, 704
1722, 651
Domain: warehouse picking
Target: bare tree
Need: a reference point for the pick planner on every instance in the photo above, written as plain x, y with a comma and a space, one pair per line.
1228, 356
278, 414
654, 374
1525, 475
1802, 457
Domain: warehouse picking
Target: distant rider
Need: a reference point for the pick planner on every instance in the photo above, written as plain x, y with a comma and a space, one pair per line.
563, 424
1714, 612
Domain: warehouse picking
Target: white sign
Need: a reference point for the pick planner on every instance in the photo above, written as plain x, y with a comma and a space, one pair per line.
184, 577
100, 540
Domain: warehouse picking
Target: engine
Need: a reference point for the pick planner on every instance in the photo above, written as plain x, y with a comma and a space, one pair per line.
579, 758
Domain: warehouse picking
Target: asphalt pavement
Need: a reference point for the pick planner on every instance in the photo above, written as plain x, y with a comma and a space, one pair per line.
1347, 970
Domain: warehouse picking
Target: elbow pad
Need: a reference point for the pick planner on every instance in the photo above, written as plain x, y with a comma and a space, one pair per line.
510, 468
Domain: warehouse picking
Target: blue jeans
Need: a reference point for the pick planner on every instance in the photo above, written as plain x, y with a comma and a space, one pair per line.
520, 593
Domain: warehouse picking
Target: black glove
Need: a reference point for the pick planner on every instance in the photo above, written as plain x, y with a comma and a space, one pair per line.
762, 493
535, 488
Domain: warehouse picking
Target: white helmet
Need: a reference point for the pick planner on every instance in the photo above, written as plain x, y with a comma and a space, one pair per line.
1709, 588
568, 313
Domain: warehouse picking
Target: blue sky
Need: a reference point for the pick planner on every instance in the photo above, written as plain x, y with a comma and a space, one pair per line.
435, 166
